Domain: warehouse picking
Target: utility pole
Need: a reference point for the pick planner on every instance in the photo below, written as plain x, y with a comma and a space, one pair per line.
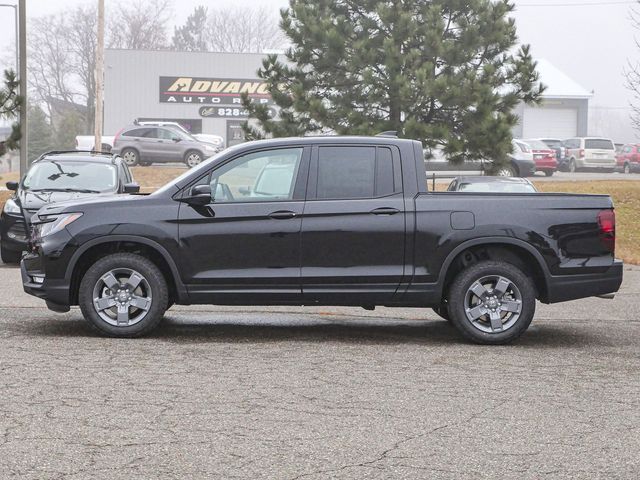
22, 17
99, 79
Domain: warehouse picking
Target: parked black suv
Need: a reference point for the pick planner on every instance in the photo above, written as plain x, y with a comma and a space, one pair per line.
58, 177
322, 221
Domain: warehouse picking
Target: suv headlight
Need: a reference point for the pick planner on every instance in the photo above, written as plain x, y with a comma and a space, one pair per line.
54, 224
10, 206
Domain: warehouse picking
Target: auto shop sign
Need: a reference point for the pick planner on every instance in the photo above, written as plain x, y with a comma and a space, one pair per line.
216, 91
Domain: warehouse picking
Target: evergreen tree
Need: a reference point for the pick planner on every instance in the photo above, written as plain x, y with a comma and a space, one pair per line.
192, 36
446, 72
10, 103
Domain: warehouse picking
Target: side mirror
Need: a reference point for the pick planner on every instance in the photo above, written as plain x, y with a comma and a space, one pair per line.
199, 195
131, 188
176, 139
13, 186
245, 190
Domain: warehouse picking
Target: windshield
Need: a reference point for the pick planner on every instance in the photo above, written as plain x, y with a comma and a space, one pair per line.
498, 187
71, 176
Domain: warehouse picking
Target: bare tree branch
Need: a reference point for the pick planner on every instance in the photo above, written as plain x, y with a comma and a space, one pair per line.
244, 30
139, 25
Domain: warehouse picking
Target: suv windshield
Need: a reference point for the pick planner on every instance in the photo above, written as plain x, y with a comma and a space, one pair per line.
71, 176
599, 143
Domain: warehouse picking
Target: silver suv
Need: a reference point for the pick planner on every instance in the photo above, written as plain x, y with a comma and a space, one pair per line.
144, 145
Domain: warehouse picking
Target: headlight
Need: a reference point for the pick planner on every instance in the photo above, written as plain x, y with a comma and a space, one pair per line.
10, 206
49, 226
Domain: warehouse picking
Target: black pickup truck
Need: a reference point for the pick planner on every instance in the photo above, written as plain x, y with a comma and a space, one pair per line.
322, 221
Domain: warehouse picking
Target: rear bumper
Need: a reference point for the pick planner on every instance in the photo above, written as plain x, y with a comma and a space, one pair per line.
525, 167
562, 288
544, 164
587, 163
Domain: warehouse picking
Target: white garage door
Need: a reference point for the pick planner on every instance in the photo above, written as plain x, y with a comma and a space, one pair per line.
550, 122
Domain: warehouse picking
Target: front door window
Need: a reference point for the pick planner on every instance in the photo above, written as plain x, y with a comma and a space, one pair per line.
266, 176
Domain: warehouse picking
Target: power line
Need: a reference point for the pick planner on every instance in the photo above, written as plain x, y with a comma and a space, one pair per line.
579, 4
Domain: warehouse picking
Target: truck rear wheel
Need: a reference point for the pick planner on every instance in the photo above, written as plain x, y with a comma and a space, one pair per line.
123, 295
492, 302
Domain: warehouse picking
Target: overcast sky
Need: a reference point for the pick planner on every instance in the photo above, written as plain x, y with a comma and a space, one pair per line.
589, 40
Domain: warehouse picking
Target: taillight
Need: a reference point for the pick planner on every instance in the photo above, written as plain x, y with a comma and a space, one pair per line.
115, 139
581, 153
607, 227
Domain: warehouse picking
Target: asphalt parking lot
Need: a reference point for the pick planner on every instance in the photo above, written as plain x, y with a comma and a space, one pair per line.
292, 393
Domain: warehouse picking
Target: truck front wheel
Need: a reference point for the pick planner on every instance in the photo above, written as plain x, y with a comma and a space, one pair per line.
123, 295
492, 302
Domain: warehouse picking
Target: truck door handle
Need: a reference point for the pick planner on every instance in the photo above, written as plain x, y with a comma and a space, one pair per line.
385, 211
282, 215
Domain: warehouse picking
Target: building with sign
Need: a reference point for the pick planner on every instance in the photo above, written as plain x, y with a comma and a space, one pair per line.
200, 90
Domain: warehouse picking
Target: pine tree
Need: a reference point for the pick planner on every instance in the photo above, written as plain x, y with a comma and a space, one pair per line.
446, 72
192, 36
10, 103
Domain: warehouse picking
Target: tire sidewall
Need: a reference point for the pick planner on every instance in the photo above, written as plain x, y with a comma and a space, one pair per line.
467, 277
146, 268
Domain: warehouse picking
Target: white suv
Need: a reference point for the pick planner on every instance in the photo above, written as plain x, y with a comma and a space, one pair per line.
590, 152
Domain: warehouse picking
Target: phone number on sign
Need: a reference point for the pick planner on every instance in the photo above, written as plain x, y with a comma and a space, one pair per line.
228, 112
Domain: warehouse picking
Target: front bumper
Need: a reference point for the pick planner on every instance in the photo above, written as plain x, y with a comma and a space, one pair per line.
562, 288
13, 233
56, 292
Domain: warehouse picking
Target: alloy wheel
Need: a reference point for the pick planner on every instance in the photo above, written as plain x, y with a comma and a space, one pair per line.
122, 297
493, 304
130, 158
193, 159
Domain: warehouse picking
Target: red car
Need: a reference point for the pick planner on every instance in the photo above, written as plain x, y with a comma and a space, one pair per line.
628, 160
544, 157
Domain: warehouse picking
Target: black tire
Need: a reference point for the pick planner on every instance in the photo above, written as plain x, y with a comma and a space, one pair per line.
627, 168
442, 311
572, 166
549, 173
9, 256
130, 156
192, 158
155, 282
460, 293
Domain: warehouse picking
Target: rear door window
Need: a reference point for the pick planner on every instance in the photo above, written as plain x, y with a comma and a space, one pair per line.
137, 132
357, 172
599, 143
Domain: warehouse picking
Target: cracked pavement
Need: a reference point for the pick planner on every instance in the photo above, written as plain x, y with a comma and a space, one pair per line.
311, 393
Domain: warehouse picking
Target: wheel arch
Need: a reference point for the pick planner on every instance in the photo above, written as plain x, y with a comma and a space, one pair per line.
511, 250
86, 255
